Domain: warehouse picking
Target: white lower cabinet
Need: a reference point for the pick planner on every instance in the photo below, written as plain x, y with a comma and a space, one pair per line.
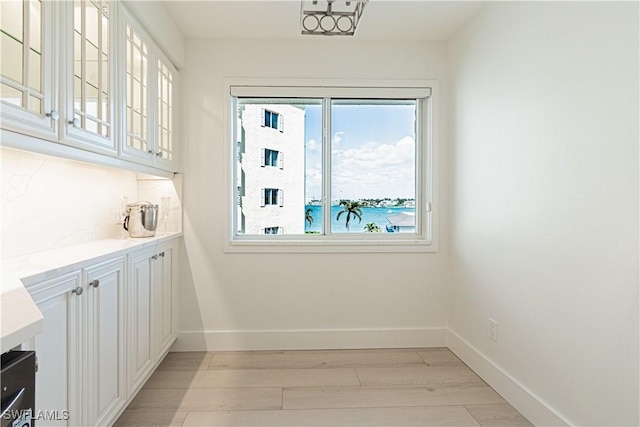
59, 388
79, 380
165, 325
152, 326
140, 354
106, 391
106, 328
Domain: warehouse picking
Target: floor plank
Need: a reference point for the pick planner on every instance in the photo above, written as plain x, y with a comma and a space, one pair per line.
497, 415
207, 399
188, 360
420, 416
365, 397
439, 357
417, 375
316, 359
253, 378
153, 418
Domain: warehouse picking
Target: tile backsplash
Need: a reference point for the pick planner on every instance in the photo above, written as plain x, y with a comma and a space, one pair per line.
50, 202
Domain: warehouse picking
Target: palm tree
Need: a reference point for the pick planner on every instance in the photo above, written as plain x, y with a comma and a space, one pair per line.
308, 217
372, 227
352, 209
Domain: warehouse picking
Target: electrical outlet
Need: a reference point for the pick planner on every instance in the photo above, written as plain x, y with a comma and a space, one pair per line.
493, 329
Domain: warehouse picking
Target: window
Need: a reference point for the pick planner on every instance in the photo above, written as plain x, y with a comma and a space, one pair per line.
272, 196
358, 164
273, 230
272, 120
272, 158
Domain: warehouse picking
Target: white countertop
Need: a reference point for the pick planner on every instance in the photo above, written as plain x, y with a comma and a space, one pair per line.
21, 319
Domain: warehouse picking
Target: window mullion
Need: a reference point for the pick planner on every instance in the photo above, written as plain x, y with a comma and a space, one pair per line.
326, 165
419, 169
235, 170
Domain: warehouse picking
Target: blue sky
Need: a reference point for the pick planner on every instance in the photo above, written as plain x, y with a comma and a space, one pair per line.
373, 151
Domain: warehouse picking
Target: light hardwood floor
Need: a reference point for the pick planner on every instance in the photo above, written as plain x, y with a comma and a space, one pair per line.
404, 387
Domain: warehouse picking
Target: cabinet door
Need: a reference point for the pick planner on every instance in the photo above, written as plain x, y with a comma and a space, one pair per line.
163, 298
150, 87
60, 365
105, 341
137, 144
139, 320
27, 79
89, 75
166, 156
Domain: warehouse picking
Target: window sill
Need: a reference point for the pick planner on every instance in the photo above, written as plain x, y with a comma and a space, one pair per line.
348, 246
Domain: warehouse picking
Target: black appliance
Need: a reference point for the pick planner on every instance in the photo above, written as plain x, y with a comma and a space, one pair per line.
18, 383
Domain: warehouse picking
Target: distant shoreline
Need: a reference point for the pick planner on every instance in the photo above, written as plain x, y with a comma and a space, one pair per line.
370, 214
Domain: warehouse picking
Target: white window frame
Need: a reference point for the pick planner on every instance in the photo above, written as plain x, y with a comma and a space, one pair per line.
279, 158
426, 238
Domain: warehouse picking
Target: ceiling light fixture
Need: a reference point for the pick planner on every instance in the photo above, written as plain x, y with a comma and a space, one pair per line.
331, 17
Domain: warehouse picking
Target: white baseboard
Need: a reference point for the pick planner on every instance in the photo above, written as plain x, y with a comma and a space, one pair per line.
309, 339
521, 398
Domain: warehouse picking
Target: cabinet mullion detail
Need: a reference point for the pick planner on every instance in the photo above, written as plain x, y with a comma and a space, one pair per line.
91, 63
165, 111
21, 33
137, 87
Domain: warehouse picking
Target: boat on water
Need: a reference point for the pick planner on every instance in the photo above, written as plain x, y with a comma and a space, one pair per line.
401, 222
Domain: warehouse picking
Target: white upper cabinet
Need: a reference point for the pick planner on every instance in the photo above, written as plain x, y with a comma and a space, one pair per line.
90, 75
28, 71
84, 73
166, 155
150, 82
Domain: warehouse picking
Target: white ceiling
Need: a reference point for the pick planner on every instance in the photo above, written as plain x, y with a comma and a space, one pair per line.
381, 20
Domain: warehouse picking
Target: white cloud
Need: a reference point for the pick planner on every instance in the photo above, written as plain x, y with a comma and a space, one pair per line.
337, 138
314, 181
375, 170
371, 170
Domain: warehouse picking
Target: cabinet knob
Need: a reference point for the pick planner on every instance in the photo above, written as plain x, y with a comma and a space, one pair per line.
161, 254
150, 151
75, 122
53, 114
78, 290
159, 153
94, 283
155, 257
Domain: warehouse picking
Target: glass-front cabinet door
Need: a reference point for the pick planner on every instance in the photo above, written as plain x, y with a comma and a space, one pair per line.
149, 117
27, 67
165, 150
137, 140
89, 106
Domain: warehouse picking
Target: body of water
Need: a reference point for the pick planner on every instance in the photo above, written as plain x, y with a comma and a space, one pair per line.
375, 215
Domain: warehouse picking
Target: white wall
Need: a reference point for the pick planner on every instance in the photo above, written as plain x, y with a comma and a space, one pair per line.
227, 300
156, 19
544, 227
